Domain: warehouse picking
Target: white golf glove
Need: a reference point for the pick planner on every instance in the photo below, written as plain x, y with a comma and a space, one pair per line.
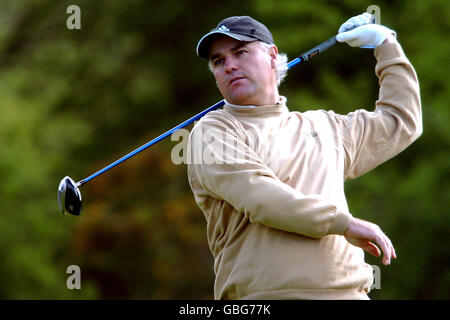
366, 34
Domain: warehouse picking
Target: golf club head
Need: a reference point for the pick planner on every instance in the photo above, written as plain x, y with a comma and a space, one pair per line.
69, 197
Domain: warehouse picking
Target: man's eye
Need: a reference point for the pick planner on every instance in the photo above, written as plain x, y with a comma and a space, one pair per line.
217, 62
241, 52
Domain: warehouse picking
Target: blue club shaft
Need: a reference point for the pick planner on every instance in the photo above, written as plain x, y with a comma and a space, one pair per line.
152, 142
304, 57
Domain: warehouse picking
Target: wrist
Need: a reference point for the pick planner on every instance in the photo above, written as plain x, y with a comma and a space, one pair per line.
340, 223
351, 222
389, 39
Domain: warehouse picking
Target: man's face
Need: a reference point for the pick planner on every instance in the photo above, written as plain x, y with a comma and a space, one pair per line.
244, 71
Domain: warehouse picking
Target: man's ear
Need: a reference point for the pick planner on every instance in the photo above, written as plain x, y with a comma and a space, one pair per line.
273, 51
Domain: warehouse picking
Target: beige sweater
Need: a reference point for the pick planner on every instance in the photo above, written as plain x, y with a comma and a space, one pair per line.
271, 185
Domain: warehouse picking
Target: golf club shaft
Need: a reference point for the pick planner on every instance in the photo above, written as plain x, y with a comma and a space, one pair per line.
303, 57
312, 52
152, 142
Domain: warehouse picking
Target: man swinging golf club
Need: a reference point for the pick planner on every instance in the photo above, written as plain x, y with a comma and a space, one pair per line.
272, 190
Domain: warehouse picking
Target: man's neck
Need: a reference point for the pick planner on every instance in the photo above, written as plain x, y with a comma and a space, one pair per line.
281, 101
269, 100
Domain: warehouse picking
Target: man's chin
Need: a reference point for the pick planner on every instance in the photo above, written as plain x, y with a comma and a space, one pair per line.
241, 100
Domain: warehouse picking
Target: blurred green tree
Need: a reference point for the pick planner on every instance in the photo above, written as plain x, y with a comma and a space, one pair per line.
73, 101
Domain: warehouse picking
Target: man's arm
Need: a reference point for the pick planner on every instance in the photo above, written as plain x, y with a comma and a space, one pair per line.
373, 137
370, 138
240, 178
243, 180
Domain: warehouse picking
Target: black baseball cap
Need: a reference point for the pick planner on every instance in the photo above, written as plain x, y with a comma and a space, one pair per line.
242, 28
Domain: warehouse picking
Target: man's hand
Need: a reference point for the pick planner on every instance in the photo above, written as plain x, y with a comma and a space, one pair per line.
362, 234
366, 34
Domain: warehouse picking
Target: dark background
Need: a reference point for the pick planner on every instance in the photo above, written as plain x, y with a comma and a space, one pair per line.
73, 101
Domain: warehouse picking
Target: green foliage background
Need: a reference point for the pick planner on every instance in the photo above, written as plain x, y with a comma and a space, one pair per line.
73, 101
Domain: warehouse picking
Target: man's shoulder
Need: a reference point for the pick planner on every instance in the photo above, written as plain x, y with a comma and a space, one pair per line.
315, 115
215, 121
218, 118
319, 118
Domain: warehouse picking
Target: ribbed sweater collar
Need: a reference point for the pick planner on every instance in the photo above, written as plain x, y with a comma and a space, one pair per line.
252, 111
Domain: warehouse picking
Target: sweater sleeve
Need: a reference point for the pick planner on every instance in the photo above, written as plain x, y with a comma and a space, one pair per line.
371, 138
229, 170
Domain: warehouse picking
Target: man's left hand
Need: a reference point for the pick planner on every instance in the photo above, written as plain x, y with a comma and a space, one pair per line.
366, 34
365, 234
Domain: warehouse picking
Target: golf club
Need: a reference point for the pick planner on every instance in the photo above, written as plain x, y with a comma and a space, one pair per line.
69, 196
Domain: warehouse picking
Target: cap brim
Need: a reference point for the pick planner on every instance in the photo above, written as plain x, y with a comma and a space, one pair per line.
204, 43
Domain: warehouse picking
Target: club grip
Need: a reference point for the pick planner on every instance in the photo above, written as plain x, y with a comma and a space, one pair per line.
318, 49
321, 47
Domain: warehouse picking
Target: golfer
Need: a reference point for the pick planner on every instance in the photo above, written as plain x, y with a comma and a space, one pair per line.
271, 181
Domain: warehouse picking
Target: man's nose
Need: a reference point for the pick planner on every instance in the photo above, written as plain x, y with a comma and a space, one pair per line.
230, 65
